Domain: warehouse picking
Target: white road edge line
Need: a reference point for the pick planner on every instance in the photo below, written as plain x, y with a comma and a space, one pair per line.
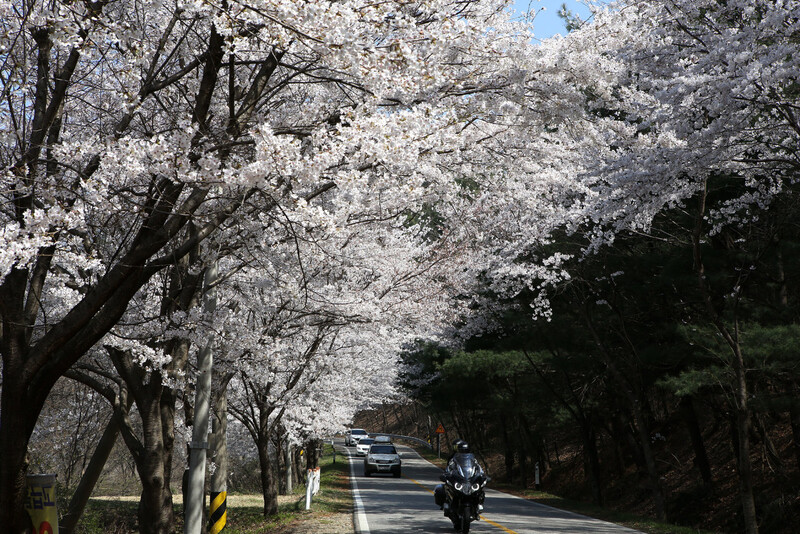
359, 516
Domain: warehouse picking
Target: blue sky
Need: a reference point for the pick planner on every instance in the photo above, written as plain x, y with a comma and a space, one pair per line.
547, 23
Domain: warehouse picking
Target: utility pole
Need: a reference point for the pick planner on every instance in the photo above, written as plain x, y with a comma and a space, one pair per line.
195, 497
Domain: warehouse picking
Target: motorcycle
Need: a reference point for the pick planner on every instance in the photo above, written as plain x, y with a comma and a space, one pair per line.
461, 495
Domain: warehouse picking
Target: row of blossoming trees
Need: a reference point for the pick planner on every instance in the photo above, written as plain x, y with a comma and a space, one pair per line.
678, 260
352, 168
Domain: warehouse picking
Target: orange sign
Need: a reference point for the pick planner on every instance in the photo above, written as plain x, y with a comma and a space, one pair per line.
440, 429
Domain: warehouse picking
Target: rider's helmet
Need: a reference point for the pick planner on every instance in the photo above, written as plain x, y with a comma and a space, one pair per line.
463, 447
456, 443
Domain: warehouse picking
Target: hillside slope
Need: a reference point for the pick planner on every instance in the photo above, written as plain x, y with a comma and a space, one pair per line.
689, 502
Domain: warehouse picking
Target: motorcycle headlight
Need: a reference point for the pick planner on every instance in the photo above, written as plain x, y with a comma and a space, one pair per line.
476, 487
458, 486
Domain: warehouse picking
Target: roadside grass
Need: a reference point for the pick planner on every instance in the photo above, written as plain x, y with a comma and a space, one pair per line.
118, 514
334, 496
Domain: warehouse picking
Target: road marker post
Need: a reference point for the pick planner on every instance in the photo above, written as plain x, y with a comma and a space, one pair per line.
312, 485
439, 432
218, 511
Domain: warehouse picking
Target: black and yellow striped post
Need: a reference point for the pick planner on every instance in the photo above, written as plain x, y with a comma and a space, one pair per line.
218, 513
218, 488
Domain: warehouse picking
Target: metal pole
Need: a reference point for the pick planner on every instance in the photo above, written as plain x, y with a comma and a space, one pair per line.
193, 522
217, 513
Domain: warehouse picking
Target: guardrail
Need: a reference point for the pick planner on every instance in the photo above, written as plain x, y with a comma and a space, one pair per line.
418, 441
407, 438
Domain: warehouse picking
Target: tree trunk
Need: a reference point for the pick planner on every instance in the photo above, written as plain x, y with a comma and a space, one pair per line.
155, 514
218, 483
18, 413
548, 459
523, 459
152, 452
14, 438
742, 411
734, 436
615, 429
313, 449
589, 437
700, 454
508, 449
289, 467
743, 424
219, 441
628, 445
268, 486
399, 419
647, 452
297, 469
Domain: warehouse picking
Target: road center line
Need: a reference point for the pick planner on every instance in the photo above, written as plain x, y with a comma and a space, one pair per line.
359, 515
418, 483
483, 518
498, 525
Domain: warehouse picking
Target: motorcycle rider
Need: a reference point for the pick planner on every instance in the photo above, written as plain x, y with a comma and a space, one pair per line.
454, 449
460, 455
438, 491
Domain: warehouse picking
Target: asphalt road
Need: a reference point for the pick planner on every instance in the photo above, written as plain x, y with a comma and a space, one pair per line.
384, 505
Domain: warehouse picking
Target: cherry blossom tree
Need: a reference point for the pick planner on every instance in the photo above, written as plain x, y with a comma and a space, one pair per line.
351, 164
685, 107
310, 331
134, 131
652, 108
713, 108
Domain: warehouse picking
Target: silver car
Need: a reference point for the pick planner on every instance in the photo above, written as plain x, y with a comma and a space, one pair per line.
363, 445
382, 458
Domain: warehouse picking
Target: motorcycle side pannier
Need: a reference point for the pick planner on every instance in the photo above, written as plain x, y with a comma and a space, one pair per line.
438, 495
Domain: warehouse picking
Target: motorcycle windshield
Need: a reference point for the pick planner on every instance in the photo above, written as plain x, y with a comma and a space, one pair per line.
466, 466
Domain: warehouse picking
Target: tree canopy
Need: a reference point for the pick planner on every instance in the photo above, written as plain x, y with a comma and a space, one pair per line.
365, 174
